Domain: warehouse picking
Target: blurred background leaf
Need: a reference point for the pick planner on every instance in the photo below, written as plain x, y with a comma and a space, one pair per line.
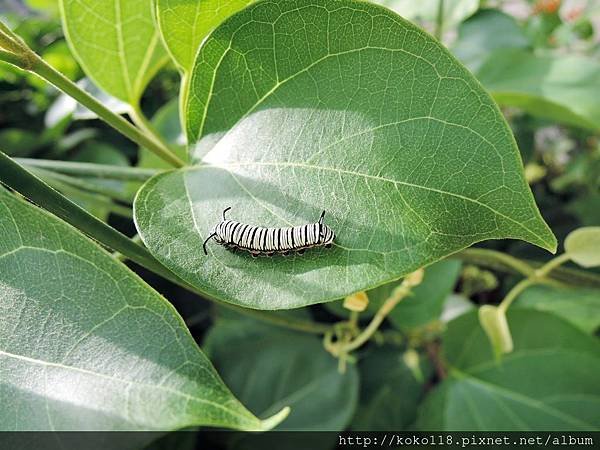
269, 368
455, 11
560, 88
117, 45
483, 394
184, 24
581, 307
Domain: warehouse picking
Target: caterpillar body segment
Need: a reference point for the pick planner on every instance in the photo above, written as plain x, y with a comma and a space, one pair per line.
269, 241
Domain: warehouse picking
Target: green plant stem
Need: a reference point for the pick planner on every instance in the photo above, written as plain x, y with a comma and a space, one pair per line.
26, 59
9, 57
103, 171
10, 42
97, 200
515, 292
18, 178
141, 121
84, 185
502, 262
378, 319
7, 31
56, 78
571, 277
439, 21
538, 276
494, 260
397, 295
121, 257
281, 321
547, 268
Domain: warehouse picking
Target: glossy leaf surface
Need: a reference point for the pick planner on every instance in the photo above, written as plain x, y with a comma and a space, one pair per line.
340, 106
86, 345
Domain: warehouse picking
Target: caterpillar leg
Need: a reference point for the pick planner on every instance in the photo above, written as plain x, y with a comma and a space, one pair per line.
255, 255
327, 245
301, 251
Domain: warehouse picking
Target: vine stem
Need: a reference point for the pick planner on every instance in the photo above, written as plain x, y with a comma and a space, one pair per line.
95, 199
515, 292
502, 262
538, 276
439, 21
141, 121
56, 78
547, 268
9, 57
343, 348
387, 307
495, 260
281, 321
94, 170
15, 51
84, 185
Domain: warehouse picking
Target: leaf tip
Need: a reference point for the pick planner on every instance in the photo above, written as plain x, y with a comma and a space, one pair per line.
274, 420
552, 246
546, 240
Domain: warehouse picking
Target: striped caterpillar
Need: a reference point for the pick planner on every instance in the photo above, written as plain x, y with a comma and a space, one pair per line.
268, 241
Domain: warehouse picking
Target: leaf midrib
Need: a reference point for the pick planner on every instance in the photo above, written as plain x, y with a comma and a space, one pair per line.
359, 174
524, 399
121, 48
121, 381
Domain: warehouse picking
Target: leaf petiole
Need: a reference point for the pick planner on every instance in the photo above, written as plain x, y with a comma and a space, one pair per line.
85, 186
23, 57
538, 276
83, 169
141, 121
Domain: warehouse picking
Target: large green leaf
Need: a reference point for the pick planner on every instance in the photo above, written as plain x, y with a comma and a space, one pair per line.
116, 42
549, 381
340, 106
561, 88
185, 23
85, 344
270, 368
581, 307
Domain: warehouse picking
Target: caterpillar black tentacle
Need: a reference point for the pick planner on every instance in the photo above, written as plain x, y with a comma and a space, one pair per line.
269, 241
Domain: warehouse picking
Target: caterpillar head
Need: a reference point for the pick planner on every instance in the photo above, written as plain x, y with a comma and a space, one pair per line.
216, 232
327, 235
